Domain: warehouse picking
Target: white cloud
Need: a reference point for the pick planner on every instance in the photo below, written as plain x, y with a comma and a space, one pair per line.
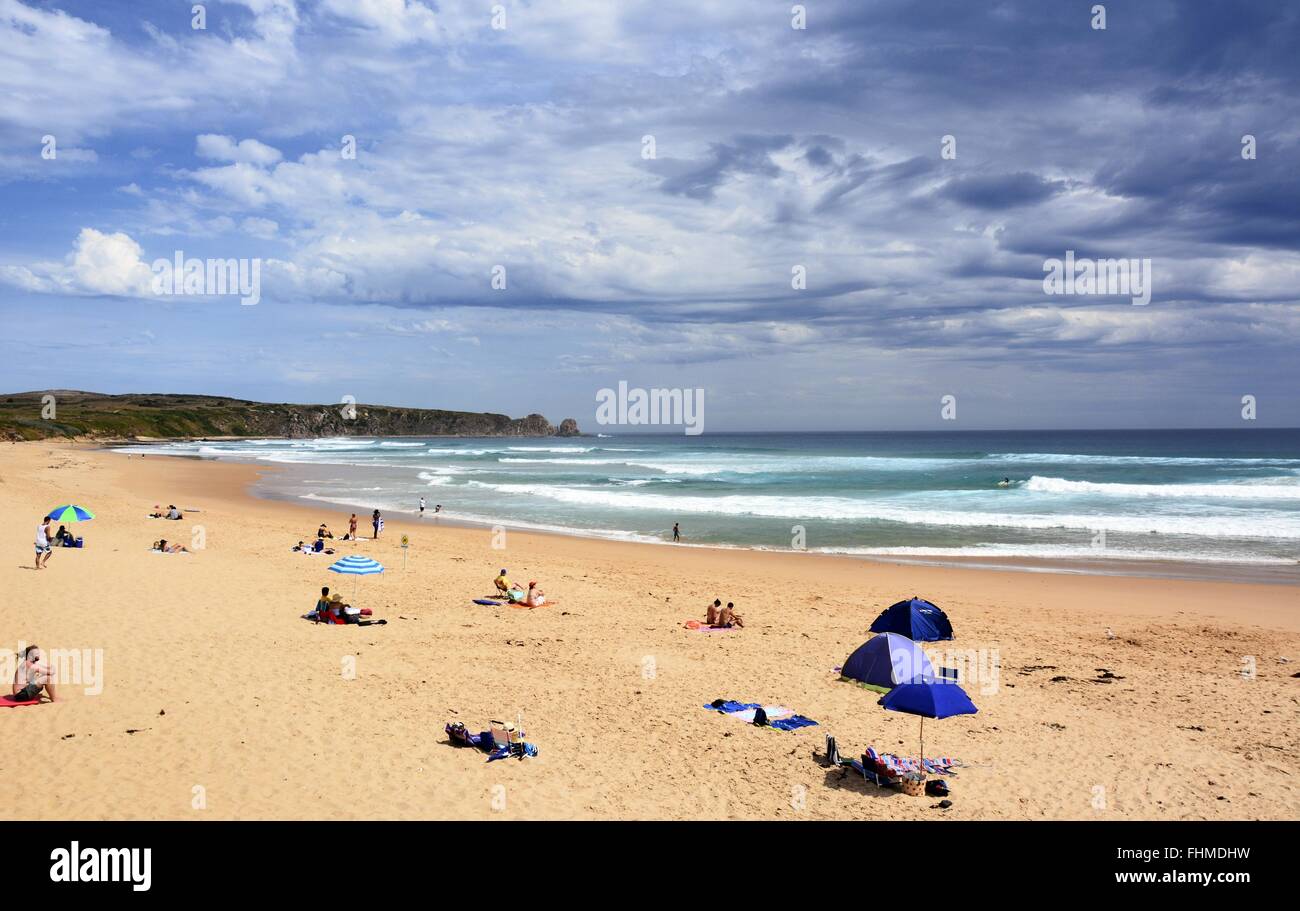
224, 148
98, 264
263, 228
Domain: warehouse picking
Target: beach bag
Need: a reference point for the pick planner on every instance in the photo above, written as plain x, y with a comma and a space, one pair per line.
459, 734
760, 717
936, 787
912, 784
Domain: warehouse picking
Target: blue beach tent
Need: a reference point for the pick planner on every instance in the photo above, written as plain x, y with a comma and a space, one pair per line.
886, 661
915, 618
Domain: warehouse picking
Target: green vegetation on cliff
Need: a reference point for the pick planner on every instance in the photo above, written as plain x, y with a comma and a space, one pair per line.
89, 415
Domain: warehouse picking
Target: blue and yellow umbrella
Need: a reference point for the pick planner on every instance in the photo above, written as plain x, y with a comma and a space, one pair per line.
70, 514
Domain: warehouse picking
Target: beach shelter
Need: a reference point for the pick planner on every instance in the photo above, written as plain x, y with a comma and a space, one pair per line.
356, 565
915, 618
65, 514
886, 661
928, 698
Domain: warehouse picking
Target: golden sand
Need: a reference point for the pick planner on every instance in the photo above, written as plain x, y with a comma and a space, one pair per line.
219, 702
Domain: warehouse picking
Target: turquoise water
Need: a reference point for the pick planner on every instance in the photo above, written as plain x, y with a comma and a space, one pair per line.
1195, 496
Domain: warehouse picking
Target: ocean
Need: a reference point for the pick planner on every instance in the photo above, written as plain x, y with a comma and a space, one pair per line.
1217, 498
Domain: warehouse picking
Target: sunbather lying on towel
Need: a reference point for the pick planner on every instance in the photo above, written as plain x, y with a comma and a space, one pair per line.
164, 547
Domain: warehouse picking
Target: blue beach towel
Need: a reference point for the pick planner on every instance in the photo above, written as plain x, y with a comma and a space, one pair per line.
729, 707
486, 601
794, 722
789, 722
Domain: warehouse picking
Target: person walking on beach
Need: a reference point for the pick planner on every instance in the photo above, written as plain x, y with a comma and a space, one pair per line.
677, 533
44, 532
377, 523
421, 507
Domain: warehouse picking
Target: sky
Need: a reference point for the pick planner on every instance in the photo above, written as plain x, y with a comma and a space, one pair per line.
826, 227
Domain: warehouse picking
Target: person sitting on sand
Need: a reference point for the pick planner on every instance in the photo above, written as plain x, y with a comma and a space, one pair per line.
163, 547
322, 603
64, 537
713, 613
535, 597
503, 584
324, 532
729, 617
723, 617
33, 675
174, 513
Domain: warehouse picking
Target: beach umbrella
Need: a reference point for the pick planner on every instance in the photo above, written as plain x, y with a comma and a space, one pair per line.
356, 565
928, 698
70, 514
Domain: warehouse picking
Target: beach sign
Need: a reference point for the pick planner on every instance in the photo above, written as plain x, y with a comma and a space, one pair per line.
406, 542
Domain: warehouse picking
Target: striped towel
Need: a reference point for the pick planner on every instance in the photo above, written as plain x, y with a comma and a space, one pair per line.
900, 764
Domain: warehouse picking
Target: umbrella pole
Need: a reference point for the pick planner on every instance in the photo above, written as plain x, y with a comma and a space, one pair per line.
922, 756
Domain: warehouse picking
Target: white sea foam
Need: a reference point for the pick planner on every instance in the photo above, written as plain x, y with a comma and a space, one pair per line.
1257, 525
1051, 457
1059, 552
1283, 488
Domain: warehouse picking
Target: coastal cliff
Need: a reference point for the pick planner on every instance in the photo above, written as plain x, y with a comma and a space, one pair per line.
90, 415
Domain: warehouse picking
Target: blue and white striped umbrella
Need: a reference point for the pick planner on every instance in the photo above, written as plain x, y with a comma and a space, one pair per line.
356, 565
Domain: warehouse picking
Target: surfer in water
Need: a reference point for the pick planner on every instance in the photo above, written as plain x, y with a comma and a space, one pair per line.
1005, 482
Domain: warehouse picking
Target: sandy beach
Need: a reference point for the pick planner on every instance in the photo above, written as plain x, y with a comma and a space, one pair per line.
219, 702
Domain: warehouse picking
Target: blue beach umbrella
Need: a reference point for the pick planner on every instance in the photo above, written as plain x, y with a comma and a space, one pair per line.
70, 514
356, 565
928, 698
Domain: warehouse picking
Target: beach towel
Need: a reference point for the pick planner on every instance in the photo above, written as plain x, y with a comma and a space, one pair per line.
778, 717
8, 701
897, 765
365, 612
728, 706
773, 713
697, 626
487, 601
793, 723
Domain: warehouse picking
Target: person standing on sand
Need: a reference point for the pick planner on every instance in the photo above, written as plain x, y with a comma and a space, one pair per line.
376, 522
677, 533
44, 532
352, 527
421, 507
